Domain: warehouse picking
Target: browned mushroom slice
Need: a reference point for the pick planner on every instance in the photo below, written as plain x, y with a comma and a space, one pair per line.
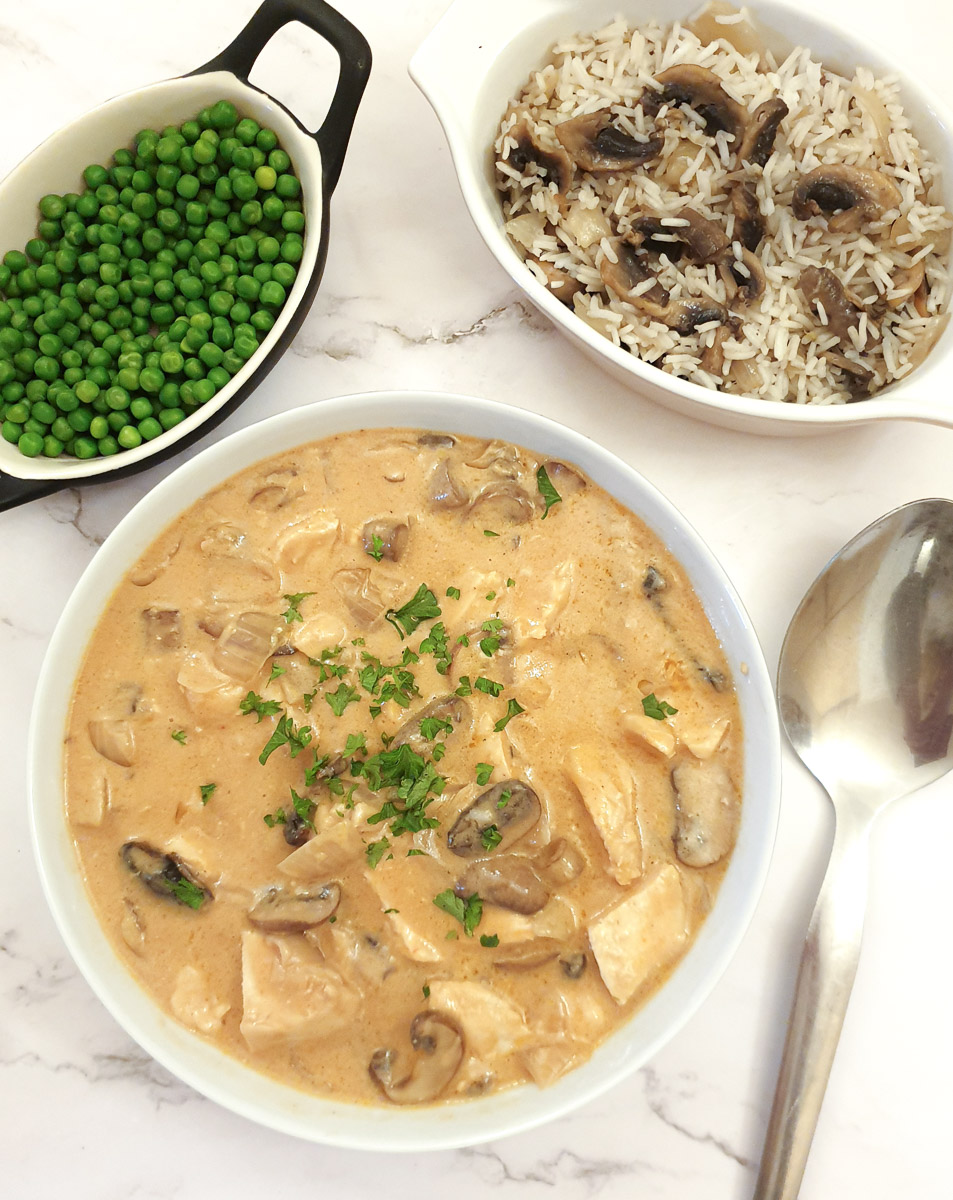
503, 502
526, 956
749, 221
391, 539
565, 479
713, 356
700, 89
562, 285
445, 491
556, 163
594, 144
859, 379
511, 808
821, 286
413, 733
163, 627
438, 1044
165, 874
506, 880
283, 910
113, 738
704, 239
684, 316
744, 278
445, 440
906, 283
573, 964
626, 274
653, 582
848, 196
707, 811
757, 142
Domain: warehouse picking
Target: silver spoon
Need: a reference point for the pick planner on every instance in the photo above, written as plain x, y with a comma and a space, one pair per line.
865, 688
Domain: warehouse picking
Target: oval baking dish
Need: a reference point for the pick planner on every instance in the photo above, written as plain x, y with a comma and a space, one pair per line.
57, 165
476, 60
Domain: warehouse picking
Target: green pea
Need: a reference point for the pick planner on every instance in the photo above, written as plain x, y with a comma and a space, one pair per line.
107, 446
266, 177
288, 187
151, 380
140, 408
268, 249
150, 427
11, 431
95, 176
245, 187
30, 444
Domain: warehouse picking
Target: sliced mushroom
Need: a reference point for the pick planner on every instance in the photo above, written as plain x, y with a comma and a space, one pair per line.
503, 502
438, 1044
511, 807
653, 582
114, 739
573, 965
704, 239
565, 479
446, 440
906, 283
163, 627
559, 863
244, 645
848, 196
713, 356
595, 144
749, 222
282, 910
556, 163
165, 874
743, 277
450, 708
444, 490
624, 277
707, 811
700, 89
859, 379
391, 538
757, 143
526, 956
821, 285
561, 284
506, 880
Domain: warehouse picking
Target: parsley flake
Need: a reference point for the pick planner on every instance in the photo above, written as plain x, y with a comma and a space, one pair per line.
658, 710
489, 939
547, 491
453, 593
206, 790
184, 890
483, 773
422, 606
490, 533
376, 549
467, 911
253, 703
491, 837
179, 735
276, 672
465, 688
279, 817
286, 734
340, 699
513, 709
375, 851
489, 687
291, 613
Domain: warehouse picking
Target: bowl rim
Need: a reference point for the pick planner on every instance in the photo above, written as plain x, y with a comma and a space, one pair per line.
745, 412
238, 1087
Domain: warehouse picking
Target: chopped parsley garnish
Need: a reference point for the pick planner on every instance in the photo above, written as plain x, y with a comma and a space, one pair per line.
178, 735
253, 703
307, 699
291, 613
303, 807
465, 688
547, 491
415, 853
340, 699
438, 751
492, 625
356, 743
206, 790
426, 991
511, 583
489, 645
513, 709
489, 687
490, 533
312, 772
386, 683
286, 734
432, 727
376, 550
279, 817
504, 798
658, 710
408, 658
491, 837
375, 851
435, 643
468, 912
422, 606
453, 593
463, 640
185, 891
417, 783
489, 939
483, 773
491, 595
276, 672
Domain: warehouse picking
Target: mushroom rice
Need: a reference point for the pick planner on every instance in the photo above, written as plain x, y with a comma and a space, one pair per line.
759, 226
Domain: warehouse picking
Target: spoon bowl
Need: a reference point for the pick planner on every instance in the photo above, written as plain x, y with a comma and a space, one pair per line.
865, 691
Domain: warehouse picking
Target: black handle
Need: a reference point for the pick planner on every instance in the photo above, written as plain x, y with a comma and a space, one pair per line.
353, 52
15, 491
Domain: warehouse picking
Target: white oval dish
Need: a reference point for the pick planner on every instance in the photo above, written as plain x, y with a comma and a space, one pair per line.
237, 1086
478, 57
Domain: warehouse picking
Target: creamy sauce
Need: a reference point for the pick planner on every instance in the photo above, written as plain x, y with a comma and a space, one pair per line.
617, 776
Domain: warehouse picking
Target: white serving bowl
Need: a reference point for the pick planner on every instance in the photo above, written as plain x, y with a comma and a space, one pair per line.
57, 165
228, 1081
479, 56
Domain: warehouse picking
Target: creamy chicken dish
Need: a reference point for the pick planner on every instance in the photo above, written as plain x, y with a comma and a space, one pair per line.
404, 766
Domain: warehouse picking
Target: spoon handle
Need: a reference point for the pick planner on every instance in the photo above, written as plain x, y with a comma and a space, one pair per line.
826, 975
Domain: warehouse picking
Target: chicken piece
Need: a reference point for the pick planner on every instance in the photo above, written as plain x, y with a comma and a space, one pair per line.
708, 811
314, 536
289, 992
607, 787
194, 1004
565, 1034
406, 888
657, 735
702, 737
492, 1025
638, 938
324, 857
543, 599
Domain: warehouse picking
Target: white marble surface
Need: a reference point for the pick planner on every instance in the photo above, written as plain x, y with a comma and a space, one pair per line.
412, 299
